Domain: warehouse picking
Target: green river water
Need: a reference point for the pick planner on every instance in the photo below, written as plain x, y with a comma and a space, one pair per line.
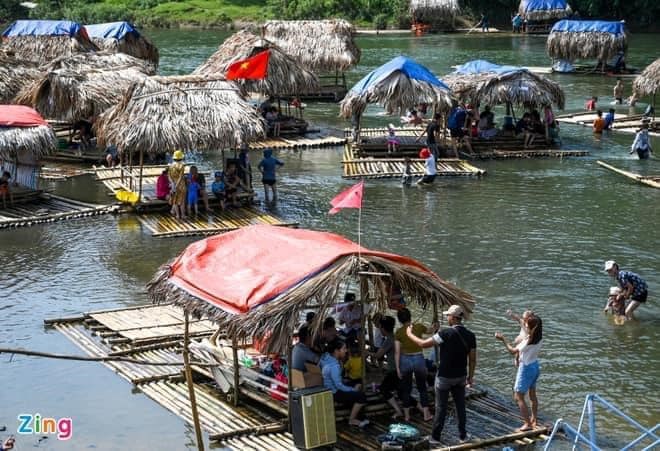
530, 234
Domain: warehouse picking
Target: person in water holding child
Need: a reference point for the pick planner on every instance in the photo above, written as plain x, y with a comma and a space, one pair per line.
633, 287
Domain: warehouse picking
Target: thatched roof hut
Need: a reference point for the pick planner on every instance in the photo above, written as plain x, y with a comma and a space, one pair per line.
24, 134
320, 45
437, 13
270, 275
648, 82
483, 82
161, 114
82, 62
587, 39
66, 95
544, 10
44, 40
122, 37
285, 75
397, 85
15, 75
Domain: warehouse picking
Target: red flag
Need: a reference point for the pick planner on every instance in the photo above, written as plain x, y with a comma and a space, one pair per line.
253, 68
350, 198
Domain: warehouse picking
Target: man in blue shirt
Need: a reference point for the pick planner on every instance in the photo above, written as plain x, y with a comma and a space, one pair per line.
267, 167
609, 119
633, 287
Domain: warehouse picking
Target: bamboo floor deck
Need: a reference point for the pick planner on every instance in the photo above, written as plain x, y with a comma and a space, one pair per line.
297, 142
35, 207
491, 417
649, 180
622, 122
165, 225
62, 171
355, 167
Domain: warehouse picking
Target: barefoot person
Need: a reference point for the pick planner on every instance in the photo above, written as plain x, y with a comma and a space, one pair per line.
528, 370
390, 382
633, 287
179, 195
458, 360
268, 167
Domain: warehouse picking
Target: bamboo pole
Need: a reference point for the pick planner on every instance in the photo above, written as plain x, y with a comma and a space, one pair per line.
191, 387
140, 177
289, 407
234, 351
364, 292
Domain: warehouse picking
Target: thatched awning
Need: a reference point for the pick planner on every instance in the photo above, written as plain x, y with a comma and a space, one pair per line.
82, 62
483, 82
320, 45
648, 82
270, 275
65, 95
123, 37
42, 41
285, 75
542, 10
189, 112
397, 86
23, 130
15, 75
588, 39
434, 11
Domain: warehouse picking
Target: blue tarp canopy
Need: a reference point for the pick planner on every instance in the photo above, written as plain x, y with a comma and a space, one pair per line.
407, 66
589, 26
111, 30
42, 28
542, 5
485, 67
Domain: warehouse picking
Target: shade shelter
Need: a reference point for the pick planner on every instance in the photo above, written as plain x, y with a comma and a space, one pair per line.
25, 137
285, 75
102, 60
397, 85
544, 10
44, 40
483, 82
648, 82
434, 15
123, 37
15, 74
570, 40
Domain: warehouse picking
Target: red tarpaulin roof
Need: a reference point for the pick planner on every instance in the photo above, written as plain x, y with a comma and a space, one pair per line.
240, 270
20, 116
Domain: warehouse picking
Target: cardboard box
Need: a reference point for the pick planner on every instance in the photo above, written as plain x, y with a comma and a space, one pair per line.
312, 378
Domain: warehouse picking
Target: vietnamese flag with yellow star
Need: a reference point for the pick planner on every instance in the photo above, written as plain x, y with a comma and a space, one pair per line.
252, 68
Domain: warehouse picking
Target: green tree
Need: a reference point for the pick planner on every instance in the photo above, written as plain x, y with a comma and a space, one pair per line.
11, 10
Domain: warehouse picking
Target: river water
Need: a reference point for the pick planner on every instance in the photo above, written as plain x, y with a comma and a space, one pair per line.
530, 234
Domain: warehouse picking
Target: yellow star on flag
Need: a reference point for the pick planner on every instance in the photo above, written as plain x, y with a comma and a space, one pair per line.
245, 65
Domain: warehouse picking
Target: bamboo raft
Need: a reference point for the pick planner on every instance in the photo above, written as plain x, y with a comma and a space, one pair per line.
297, 142
62, 172
208, 223
36, 207
622, 122
356, 167
155, 334
649, 180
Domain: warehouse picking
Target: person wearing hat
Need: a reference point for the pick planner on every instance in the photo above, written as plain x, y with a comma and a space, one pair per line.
177, 174
642, 142
458, 361
430, 168
633, 287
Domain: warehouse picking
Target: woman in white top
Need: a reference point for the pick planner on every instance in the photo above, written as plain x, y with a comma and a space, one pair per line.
527, 352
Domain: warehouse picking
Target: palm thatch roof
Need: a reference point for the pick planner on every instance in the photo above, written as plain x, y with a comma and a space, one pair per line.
544, 10
434, 12
398, 85
23, 130
648, 82
81, 62
43, 41
490, 84
261, 296
571, 40
161, 114
320, 45
123, 37
66, 95
15, 75
285, 75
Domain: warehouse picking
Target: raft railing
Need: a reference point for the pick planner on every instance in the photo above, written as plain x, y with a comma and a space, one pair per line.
588, 411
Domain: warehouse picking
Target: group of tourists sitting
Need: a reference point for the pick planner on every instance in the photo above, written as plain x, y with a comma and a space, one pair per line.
274, 119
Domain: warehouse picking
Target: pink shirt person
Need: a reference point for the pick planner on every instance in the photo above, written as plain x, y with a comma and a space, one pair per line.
163, 185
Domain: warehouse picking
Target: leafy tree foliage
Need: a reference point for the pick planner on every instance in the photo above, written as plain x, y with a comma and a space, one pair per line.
11, 10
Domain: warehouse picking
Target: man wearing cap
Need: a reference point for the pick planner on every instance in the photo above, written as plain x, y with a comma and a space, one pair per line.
430, 168
458, 360
633, 287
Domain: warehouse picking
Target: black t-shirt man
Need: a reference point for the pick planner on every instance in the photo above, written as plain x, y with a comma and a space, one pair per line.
455, 344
